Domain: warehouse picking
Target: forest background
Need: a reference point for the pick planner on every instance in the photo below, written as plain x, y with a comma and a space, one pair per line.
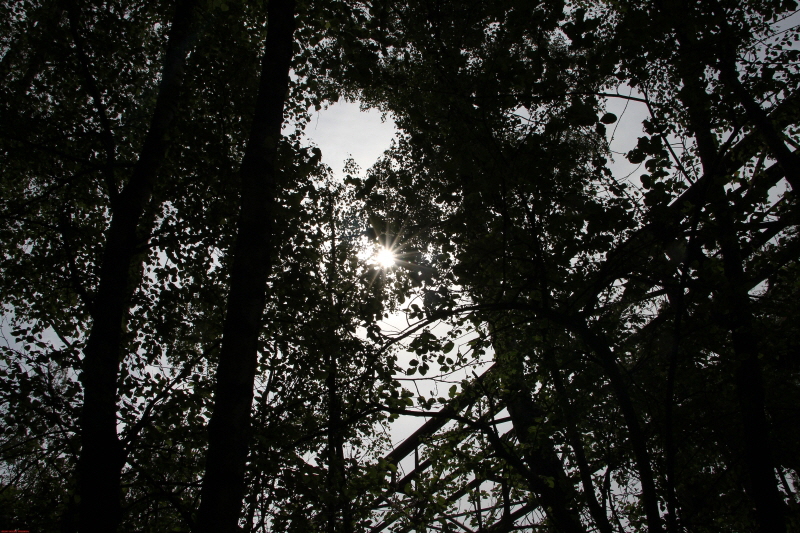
196, 320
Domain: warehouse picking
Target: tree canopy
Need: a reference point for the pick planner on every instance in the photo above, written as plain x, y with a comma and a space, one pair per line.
195, 325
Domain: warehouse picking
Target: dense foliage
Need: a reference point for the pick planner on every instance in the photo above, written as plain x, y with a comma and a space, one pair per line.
194, 327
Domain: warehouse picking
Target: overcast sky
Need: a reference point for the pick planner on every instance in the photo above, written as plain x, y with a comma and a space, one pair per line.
343, 131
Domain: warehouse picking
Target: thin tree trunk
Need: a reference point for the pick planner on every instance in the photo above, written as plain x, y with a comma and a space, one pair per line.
598, 513
635, 432
338, 508
101, 458
787, 159
335, 475
676, 301
229, 429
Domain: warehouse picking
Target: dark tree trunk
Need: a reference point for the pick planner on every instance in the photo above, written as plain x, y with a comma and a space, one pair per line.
229, 429
760, 481
338, 508
336, 473
546, 477
597, 511
101, 458
636, 434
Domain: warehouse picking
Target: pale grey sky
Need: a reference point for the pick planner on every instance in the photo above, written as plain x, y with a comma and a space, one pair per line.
342, 131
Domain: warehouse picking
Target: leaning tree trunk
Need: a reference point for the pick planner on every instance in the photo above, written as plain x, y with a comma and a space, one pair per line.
229, 429
101, 457
544, 472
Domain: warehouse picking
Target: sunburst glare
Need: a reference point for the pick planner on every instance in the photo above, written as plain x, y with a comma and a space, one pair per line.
385, 258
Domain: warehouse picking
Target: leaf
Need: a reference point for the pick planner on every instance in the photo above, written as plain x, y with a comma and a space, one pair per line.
608, 118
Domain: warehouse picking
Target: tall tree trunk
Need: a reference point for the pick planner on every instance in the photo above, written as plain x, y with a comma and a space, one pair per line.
338, 508
101, 458
760, 481
229, 429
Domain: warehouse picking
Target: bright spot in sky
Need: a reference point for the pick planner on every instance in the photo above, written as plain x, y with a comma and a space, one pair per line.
385, 258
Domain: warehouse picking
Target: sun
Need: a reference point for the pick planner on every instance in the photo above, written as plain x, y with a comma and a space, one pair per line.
385, 258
